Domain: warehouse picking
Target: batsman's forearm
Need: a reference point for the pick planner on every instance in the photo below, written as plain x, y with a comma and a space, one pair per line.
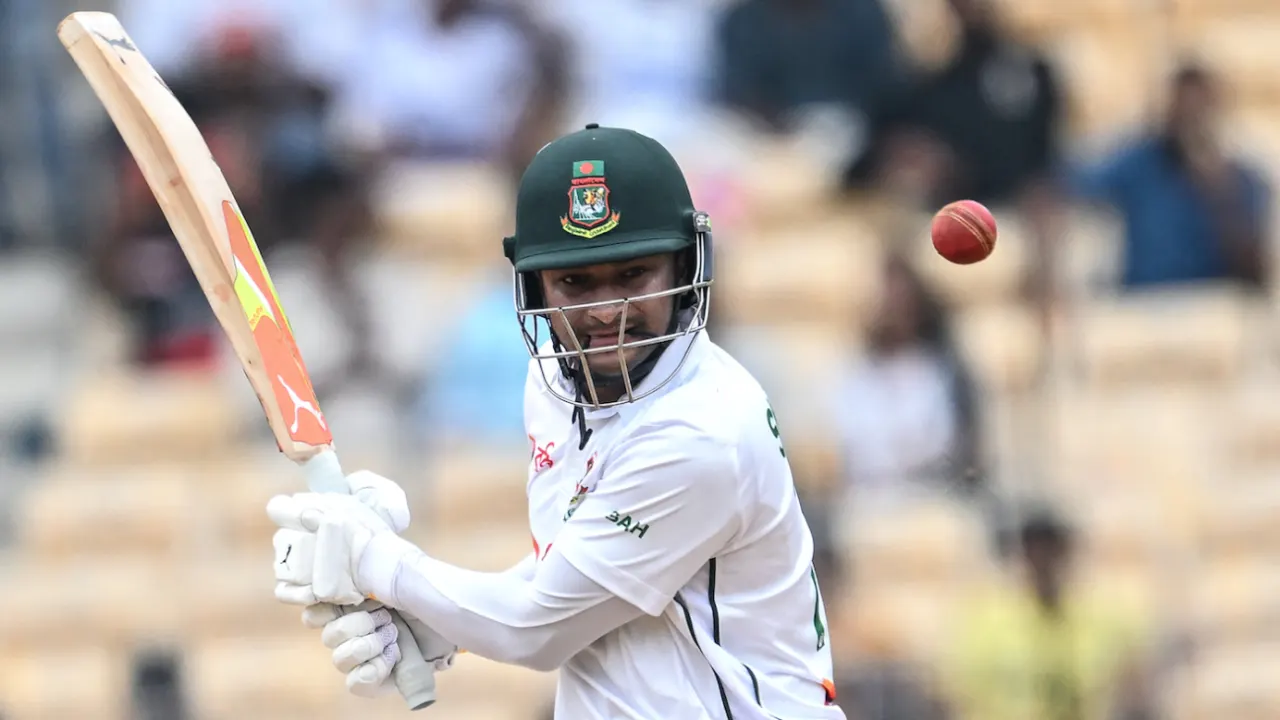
508, 617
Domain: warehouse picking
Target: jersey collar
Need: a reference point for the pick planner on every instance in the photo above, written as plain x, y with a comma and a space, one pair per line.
696, 345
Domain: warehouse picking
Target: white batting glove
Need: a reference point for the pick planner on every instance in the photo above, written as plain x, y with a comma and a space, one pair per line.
363, 640
383, 496
367, 644
319, 544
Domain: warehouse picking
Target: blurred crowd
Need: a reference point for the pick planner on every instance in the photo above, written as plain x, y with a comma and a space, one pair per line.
313, 108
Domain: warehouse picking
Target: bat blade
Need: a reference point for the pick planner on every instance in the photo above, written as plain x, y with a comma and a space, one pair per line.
207, 222
197, 201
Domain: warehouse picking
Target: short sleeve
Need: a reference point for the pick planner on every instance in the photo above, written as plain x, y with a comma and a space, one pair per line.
663, 506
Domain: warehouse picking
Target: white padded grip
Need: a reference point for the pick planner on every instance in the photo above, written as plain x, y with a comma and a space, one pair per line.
414, 677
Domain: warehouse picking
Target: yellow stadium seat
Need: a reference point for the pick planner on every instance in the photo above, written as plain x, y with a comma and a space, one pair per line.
80, 682
1236, 682
782, 185
120, 602
1189, 335
488, 548
1255, 426
1088, 253
899, 620
1041, 19
1107, 74
234, 497
1003, 344
469, 486
263, 678
830, 275
1136, 523
934, 541
1202, 9
1241, 48
1242, 519
443, 210
233, 596
1234, 598
1139, 438
795, 363
131, 418
147, 510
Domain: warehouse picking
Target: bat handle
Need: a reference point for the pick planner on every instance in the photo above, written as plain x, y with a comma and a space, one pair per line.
324, 474
413, 675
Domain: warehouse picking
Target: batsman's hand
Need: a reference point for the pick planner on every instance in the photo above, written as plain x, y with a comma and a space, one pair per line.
294, 550
367, 644
364, 640
383, 496
321, 539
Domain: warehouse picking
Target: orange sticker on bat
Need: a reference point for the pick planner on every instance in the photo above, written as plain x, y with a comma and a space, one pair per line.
274, 336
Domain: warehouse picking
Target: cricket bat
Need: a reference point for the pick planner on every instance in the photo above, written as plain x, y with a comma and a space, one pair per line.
196, 200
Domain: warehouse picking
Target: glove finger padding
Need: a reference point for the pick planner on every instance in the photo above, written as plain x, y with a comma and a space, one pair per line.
381, 643
383, 496
291, 594
301, 511
363, 642
318, 615
351, 625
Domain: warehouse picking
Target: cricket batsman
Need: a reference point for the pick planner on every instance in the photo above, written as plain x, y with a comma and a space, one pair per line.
672, 569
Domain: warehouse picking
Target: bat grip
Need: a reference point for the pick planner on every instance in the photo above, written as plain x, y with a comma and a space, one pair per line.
413, 675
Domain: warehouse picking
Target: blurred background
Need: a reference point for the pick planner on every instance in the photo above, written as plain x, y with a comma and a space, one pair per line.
1044, 487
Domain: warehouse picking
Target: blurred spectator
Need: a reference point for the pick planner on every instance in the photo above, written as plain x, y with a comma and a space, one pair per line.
884, 689
907, 413
455, 79
475, 393
264, 125
777, 57
650, 72
867, 688
158, 690
984, 126
1191, 211
1045, 649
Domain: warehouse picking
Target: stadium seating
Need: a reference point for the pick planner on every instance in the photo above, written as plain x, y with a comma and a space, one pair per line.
472, 487
119, 417
79, 682
1156, 424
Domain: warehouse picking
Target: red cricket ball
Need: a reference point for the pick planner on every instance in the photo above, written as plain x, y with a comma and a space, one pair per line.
964, 232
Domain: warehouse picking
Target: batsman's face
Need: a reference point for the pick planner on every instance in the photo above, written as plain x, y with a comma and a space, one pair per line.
599, 326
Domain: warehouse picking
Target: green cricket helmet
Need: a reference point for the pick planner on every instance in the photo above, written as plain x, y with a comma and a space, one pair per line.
596, 196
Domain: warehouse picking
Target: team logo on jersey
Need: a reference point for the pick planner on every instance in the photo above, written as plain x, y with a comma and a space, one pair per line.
590, 213
580, 490
541, 456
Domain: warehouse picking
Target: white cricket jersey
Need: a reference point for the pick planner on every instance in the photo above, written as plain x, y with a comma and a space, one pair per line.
683, 505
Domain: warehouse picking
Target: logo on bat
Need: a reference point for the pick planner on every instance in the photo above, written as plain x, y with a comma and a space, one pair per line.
120, 43
291, 385
299, 405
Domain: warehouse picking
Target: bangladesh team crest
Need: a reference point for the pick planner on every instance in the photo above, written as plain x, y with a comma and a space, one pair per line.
590, 212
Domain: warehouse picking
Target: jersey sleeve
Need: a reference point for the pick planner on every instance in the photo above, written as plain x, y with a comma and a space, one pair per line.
664, 505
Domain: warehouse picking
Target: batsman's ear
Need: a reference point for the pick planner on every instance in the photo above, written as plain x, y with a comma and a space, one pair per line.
509, 248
